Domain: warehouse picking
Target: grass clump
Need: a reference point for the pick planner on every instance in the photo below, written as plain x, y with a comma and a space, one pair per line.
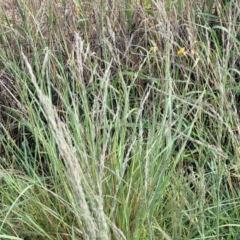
119, 120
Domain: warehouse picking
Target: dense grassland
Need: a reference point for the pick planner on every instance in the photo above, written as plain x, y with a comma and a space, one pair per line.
119, 119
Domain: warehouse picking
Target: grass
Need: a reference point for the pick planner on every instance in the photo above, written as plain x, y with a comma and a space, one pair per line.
119, 120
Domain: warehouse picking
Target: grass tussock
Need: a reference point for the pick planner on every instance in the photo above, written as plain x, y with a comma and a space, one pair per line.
119, 120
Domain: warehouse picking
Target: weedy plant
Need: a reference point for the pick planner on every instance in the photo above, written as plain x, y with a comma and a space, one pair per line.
119, 120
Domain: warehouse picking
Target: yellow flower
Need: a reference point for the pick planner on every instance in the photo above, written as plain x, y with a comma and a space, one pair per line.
181, 51
78, 11
154, 48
